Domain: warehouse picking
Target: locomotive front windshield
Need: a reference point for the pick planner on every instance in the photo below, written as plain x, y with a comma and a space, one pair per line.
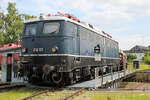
48, 28
31, 29
51, 27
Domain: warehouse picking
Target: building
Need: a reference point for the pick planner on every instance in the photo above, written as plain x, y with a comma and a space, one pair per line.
149, 46
138, 51
9, 55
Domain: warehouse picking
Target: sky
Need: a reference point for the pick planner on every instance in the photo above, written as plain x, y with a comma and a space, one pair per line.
128, 21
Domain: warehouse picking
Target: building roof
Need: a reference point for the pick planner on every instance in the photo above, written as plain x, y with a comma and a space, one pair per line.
137, 49
8, 47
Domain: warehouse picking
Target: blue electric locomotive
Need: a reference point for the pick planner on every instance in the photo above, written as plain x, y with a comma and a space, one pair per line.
61, 50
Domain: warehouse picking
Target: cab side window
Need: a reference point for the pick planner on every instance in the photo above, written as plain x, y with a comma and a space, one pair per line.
75, 30
84, 34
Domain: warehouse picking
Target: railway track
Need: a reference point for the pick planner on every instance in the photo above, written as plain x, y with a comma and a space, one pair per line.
54, 94
143, 71
34, 95
6, 86
4, 83
75, 94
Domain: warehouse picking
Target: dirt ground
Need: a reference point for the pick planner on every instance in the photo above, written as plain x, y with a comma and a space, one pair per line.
135, 85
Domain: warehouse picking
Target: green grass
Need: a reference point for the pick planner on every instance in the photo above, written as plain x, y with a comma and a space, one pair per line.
124, 95
142, 66
16, 94
88, 95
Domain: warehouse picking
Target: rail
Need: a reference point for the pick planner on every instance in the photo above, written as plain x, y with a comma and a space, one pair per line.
4, 83
74, 94
34, 95
46, 91
11, 86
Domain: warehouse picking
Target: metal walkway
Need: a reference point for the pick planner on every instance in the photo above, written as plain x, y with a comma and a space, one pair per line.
101, 81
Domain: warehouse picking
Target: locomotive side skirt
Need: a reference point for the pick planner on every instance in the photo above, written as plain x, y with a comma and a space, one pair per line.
67, 63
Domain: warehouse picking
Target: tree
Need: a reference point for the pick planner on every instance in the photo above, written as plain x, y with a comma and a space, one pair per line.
147, 53
13, 24
130, 57
1, 27
26, 17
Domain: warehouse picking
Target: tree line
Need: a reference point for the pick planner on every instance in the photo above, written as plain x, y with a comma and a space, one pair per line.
11, 24
145, 59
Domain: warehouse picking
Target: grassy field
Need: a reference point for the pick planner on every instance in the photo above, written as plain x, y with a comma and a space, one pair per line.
16, 94
142, 66
88, 95
113, 95
124, 95
54, 95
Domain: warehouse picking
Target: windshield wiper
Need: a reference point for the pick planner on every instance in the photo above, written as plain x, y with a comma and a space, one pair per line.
52, 32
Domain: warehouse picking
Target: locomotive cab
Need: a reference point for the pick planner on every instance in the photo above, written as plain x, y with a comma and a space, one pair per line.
49, 37
47, 45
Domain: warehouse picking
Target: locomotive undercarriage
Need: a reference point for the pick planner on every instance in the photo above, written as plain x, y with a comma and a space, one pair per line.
65, 70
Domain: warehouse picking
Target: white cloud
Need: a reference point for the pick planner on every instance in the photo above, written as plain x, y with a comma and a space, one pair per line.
4, 3
128, 41
110, 9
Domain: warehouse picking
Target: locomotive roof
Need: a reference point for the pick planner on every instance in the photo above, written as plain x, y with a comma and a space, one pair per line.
70, 20
10, 47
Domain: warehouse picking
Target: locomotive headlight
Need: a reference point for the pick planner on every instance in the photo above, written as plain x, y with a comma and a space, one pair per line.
23, 50
36, 49
54, 49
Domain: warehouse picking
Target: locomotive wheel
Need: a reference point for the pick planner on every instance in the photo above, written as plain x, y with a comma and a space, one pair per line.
57, 77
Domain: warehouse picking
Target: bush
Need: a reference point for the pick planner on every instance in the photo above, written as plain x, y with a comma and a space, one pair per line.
146, 57
147, 60
130, 57
147, 53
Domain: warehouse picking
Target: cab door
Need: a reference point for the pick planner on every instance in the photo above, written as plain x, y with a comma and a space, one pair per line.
76, 40
9, 67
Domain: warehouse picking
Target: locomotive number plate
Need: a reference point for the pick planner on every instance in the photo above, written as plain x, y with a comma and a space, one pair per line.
97, 57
